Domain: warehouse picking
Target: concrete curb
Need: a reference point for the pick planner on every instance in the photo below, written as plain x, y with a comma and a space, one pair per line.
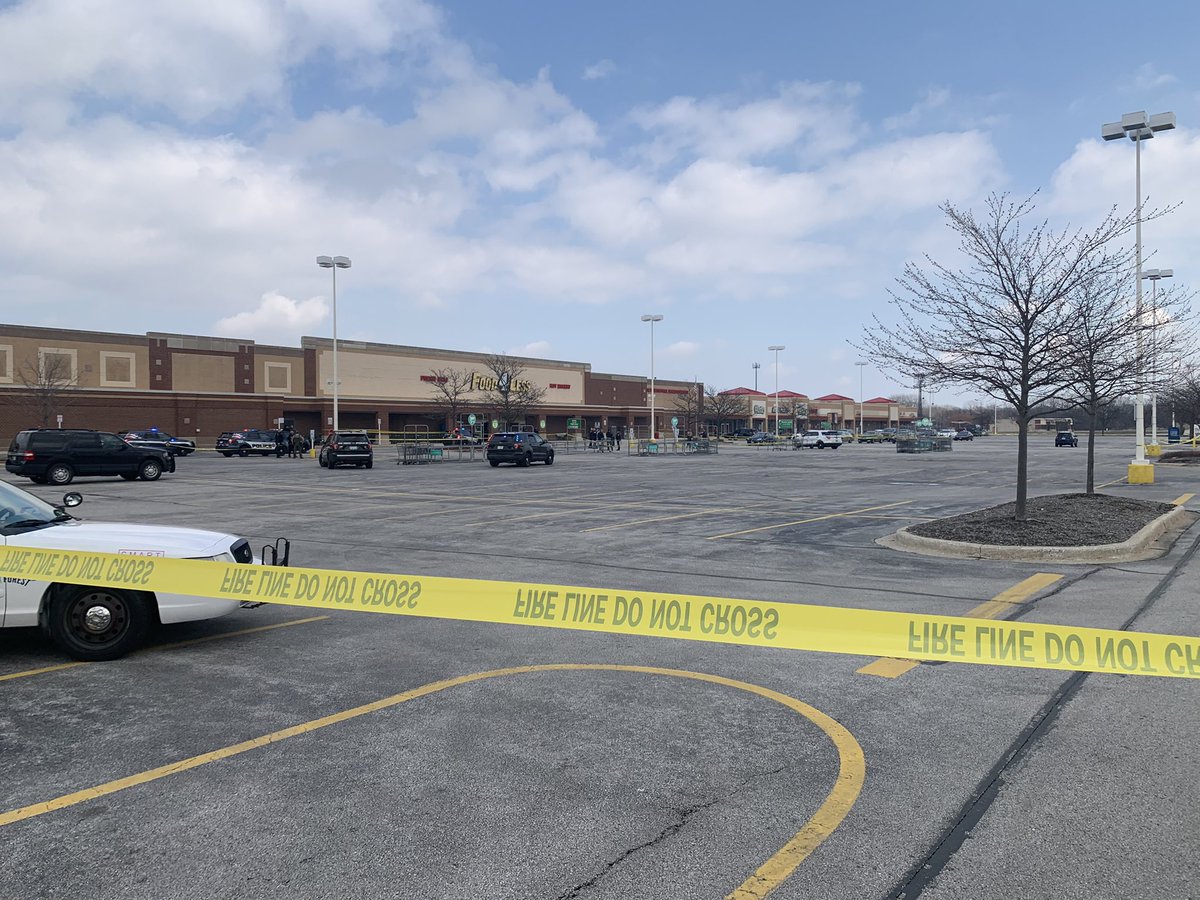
1137, 547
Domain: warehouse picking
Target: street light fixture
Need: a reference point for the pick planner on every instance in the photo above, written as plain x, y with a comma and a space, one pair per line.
756, 367
334, 263
776, 348
1138, 127
1154, 276
652, 319
860, 363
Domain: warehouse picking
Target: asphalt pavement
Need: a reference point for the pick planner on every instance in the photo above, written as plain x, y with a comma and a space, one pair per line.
552, 764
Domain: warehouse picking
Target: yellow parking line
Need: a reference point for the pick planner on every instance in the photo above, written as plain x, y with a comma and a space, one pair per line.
886, 667
1110, 483
171, 646
840, 515
765, 879
41, 671
1181, 500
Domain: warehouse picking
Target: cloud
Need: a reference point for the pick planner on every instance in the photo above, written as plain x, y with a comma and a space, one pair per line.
188, 57
681, 349
602, 69
536, 349
278, 319
931, 99
802, 118
1147, 78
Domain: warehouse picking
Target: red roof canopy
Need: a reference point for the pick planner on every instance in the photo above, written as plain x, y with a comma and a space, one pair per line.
743, 391
836, 397
788, 394
881, 400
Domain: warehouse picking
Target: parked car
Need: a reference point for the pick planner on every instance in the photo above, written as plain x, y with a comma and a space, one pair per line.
965, 435
744, 432
1066, 439
819, 439
99, 623
946, 432
176, 446
346, 447
762, 437
847, 436
872, 437
57, 455
518, 447
462, 437
245, 442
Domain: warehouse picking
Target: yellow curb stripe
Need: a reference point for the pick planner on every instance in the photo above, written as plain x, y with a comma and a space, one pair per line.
769, 876
885, 667
840, 515
989, 609
188, 643
1183, 499
1111, 483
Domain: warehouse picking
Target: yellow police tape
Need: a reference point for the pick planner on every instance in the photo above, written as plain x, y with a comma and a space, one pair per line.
756, 623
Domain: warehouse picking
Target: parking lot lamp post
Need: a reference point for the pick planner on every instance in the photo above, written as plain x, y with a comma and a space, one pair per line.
1138, 127
861, 363
652, 318
777, 348
333, 264
1154, 276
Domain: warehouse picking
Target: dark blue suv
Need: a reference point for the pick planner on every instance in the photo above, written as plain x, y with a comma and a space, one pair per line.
518, 447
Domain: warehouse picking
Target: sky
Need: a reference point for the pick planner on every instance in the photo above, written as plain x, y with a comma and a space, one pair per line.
533, 176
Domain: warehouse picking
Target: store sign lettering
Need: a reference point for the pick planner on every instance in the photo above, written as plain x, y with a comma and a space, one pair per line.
503, 384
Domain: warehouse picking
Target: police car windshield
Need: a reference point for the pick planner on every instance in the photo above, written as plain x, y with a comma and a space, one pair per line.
17, 506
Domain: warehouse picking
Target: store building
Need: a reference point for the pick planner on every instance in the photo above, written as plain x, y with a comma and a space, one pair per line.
196, 386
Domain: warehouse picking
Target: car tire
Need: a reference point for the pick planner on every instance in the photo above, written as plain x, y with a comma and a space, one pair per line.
820, 445
226, 454
331, 461
834, 446
243, 452
550, 458
97, 623
494, 463
321, 461
128, 477
150, 470
369, 464
525, 460
60, 474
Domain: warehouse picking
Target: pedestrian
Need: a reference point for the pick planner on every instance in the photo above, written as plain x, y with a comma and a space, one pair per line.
298, 442
279, 445
617, 438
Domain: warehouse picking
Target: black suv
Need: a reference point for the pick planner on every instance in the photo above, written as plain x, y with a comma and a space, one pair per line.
353, 447
57, 455
176, 446
519, 447
1066, 439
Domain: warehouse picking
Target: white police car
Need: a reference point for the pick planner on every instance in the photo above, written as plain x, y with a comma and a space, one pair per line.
819, 439
95, 622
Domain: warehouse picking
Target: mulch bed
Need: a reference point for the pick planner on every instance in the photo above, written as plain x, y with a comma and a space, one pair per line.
1056, 520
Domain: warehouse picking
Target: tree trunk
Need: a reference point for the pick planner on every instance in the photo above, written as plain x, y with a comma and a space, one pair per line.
1022, 465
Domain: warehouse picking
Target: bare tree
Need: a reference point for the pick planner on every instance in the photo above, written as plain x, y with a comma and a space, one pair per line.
1108, 349
450, 389
507, 391
1002, 324
45, 384
690, 407
1183, 393
721, 407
